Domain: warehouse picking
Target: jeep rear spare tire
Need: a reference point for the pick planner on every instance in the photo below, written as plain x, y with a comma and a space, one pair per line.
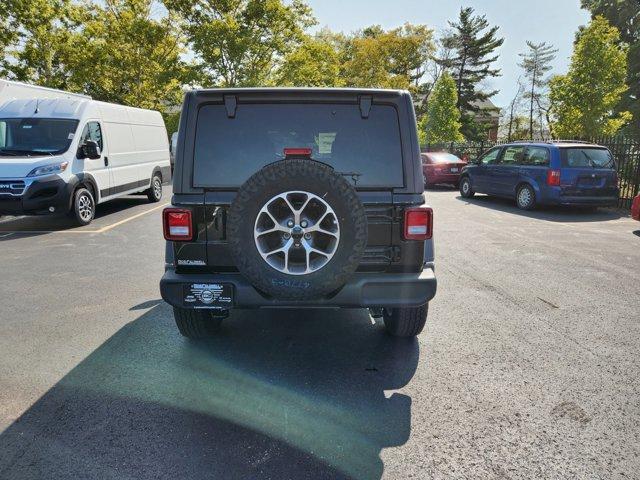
297, 229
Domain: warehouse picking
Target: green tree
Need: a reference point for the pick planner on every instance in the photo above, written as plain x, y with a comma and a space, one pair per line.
625, 16
315, 63
130, 56
387, 59
242, 42
583, 100
472, 43
442, 120
536, 63
39, 38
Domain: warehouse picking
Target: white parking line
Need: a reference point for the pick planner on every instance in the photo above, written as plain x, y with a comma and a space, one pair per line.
99, 230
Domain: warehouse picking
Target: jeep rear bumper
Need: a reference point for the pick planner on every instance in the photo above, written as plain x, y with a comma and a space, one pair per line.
361, 291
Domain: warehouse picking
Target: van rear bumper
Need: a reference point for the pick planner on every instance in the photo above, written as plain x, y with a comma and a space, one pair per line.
38, 197
361, 291
596, 201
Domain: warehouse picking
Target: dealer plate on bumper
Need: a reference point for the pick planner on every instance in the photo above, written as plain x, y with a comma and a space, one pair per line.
208, 295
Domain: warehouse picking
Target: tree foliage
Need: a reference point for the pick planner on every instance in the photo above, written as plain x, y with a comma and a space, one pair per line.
39, 40
583, 100
536, 63
625, 16
315, 63
387, 59
442, 120
473, 43
129, 57
242, 42
113, 50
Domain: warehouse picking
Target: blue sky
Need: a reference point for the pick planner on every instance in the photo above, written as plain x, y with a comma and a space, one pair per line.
553, 21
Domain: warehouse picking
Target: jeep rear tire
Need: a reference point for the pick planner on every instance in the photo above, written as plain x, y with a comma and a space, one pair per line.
196, 324
405, 321
297, 185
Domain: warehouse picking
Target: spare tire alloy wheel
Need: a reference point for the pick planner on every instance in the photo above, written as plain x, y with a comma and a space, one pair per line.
297, 230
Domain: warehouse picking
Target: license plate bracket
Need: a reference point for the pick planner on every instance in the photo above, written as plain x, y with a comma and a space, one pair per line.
208, 295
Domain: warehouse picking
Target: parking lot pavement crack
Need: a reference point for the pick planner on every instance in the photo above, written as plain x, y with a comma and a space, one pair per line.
521, 305
552, 305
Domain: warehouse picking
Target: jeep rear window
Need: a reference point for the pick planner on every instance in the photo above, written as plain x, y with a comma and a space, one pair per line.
586, 157
229, 150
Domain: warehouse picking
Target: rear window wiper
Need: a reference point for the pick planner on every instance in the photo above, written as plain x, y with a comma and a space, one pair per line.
355, 176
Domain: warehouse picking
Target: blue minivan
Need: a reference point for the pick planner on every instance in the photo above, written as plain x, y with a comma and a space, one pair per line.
544, 173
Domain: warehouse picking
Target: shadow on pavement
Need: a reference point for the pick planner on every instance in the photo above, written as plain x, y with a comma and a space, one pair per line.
563, 214
440, 187
42, 224
277, 394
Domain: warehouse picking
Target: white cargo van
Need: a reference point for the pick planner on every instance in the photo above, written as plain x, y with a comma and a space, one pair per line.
10, 90
67, 154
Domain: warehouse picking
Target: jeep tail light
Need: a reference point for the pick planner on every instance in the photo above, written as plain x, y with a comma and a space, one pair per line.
418, 223
553, 177
177, 224
297, 152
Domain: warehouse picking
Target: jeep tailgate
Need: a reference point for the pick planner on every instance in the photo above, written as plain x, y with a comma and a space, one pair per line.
385, 251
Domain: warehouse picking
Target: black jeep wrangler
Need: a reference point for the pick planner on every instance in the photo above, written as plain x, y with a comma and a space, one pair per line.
298, 198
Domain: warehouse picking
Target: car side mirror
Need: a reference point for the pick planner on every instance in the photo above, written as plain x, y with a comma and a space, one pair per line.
90, 149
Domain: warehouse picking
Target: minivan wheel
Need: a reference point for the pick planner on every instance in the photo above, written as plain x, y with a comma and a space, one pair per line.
84, 207
465, 188
405, 321
526, 198
197, 324
155, 191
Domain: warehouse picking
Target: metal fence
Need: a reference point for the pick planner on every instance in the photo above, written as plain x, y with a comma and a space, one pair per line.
626, 152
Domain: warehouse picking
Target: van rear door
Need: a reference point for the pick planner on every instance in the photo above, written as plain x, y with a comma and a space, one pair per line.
588, 172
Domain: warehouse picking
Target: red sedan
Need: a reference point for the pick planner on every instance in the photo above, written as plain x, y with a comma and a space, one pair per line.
635, 208
441, 167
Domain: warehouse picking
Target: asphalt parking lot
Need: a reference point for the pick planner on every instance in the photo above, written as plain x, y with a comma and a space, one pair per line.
528, 366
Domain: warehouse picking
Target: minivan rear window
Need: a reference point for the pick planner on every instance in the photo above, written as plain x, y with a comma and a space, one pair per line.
229, 150
584, 157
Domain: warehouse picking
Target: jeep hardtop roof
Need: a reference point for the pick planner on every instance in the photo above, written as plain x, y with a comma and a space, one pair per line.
188, 181
322, 90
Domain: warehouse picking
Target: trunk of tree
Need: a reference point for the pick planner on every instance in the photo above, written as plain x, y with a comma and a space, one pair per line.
513, 103
463, 62
533, 87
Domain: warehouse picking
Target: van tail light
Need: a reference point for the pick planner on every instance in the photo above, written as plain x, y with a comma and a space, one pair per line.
177, 224
553, 178
418, 223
